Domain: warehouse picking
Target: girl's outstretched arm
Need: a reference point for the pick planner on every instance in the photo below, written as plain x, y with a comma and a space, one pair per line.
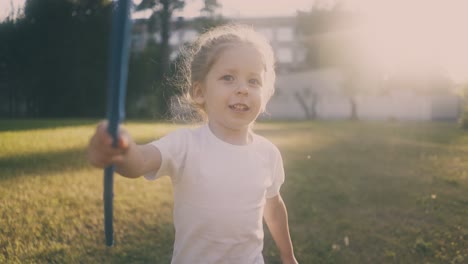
276, 218
131, 160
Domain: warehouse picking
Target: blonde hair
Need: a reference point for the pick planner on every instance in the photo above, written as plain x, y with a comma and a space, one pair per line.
197, 58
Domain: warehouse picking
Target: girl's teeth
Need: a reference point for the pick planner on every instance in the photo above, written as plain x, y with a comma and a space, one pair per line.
239, 107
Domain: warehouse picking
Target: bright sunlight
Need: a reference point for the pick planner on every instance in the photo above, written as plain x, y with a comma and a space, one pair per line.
402, 35
416, 34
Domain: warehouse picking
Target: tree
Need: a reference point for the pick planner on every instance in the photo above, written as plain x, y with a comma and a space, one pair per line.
318, 28
203, 23
161, 20
54, 58
143, 89
325, 33
208, 18
8, 65
68, 55
302, 98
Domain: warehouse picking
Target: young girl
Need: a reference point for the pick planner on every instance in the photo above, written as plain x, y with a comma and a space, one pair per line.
225, 177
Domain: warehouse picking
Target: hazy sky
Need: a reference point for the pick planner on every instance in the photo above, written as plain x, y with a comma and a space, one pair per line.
251, 8
229, 7
398, 32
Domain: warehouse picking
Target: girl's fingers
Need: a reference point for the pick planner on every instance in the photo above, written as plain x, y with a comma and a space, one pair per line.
123, 142
107, 161
124, 138
107, 139
117, 159
101, 136
108, 150
101, 153
99, 161
104, 161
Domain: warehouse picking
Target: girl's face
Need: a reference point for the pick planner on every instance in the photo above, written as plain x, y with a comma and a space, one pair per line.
232, 90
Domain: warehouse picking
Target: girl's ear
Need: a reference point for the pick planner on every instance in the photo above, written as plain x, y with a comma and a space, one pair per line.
198, 93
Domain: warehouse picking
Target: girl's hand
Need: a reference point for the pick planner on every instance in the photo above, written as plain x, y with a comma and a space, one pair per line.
101, 153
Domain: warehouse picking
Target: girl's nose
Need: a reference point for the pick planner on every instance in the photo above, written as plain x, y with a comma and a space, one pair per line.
242, 88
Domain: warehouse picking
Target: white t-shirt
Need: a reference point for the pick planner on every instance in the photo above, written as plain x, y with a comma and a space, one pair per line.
220, 192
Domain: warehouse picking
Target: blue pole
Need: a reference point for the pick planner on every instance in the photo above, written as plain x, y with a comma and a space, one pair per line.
118, 68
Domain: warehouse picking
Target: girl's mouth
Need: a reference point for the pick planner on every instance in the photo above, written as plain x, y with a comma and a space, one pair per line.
239, 107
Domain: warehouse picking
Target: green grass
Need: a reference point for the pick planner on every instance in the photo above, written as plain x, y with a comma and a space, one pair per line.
397, 191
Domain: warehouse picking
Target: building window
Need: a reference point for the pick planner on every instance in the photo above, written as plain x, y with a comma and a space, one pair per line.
285, 34
173, 55
190, 35
284, 55
267, 33
174, 39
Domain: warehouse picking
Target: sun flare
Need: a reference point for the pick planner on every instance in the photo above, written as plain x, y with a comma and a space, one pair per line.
415, 34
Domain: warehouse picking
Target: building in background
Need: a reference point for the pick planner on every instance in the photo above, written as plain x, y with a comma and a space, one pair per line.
280, 31
318, 94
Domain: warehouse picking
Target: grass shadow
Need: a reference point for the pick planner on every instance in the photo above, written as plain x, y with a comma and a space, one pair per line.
42, 163
146, 243
33, 124
39, 164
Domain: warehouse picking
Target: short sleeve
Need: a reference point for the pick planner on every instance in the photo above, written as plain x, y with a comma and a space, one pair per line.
278, 176
173, 148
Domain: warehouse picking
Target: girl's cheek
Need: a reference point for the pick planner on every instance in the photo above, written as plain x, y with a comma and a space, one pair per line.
258, 91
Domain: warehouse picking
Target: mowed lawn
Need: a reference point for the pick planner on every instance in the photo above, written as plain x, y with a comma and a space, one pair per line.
357, 192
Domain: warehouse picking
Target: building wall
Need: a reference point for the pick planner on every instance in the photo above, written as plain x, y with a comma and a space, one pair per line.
324, 87
394, 107
280, 31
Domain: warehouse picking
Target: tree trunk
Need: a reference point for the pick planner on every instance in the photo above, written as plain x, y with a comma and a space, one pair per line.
313, 109
12, 102
303, 104
352, 101
166, 14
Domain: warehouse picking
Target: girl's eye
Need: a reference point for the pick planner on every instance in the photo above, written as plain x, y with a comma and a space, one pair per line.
255, 82
228, 78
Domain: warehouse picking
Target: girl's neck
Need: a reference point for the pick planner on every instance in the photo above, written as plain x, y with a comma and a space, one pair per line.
234, 136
